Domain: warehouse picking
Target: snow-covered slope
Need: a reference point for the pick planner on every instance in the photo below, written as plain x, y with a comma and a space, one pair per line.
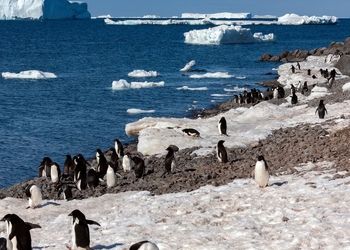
294, 19
43, 9
225, 35
308, 210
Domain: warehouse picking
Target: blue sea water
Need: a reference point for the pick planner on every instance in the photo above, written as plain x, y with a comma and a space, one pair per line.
79, 112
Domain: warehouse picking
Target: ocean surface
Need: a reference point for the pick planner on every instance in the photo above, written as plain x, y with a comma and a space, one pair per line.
79, 112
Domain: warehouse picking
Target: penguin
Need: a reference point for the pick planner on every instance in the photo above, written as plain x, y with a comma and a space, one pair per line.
138, 167
294, 99
281, 92
191, 132
68, 167
55, 172
119, 148
80, 172
144, 245
114, 159
309, 72
127, 164
3, 243
102, 163
305, 88
241, 99
44, 168
92, 178
34, 195
292, 89
261, 172
110, 176
169, 162
18, 235
321, 109
80, 230
221, 152
275, 93
222, 126
66, 192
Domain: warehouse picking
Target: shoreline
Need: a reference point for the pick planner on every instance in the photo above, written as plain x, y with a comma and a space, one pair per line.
195, 171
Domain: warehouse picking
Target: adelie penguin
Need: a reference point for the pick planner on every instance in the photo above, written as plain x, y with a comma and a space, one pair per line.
80, 230
222, 126
68, 167
55, 172
66, 192
127, 163
144, 245
92, 178
191, 132
114, 159
18, 232
44, 168
321, 109
80, 172
102, 163
261, 173
34, 195
138, 167
294, 99
110, 176
221, 152
119, 148
170, 162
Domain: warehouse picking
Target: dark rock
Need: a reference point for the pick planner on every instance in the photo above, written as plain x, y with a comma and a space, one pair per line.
265, 57
344, 65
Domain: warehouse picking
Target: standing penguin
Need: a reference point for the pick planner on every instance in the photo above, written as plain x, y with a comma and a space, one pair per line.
44, 168
144, 245
102, 163
119, 148
18, 235
221, 152
138, 166
34, 195
80, 230
321, 109
114, 159
222, 125
127, 164
110, 176
66, 192
294, 99
68, 167
3, 243
92, 178
170, 162
275, 93
80, 172
261, 172
55, 172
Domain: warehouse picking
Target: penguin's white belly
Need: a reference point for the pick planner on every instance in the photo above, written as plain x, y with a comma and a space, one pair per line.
126, 164
74, 242
261, 175
54, 174
79, 184
148, 246
218, 155
219, 128
275, 94
173, 165
111, 180
36, 197
14, 243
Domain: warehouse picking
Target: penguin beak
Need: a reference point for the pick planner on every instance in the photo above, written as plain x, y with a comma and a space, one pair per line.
3, 219
70, 214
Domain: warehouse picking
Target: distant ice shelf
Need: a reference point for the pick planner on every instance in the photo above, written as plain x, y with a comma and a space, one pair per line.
43, 9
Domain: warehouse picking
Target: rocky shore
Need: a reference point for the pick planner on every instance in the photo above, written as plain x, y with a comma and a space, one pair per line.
283, 149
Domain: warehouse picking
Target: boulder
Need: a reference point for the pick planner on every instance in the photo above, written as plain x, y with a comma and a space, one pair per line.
344, 65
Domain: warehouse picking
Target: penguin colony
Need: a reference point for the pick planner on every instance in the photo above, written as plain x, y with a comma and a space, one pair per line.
79, 174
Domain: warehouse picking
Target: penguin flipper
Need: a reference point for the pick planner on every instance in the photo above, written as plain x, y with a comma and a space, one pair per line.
91, 222
32, 226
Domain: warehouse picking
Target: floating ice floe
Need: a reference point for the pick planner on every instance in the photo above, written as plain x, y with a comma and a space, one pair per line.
29, 74
139, 73
221, 15
155, 22
235, 89
294, 19
193, 89
188, 66
224, 34
220, 95
123, 84
212, 75
241, 77
140, 111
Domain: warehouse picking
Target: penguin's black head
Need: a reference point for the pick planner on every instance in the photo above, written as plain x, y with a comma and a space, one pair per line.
321, 102
99, 151
261, 158
77, 214
46, 161
117, 141
221, 142
172, 148
27, 190
68, 157
13, 218
222, 119
113, 150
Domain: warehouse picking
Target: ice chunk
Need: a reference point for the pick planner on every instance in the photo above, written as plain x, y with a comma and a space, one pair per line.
294, 19
188, 66
189, 88
222, 15
142, 73
224, 34
139, 111
123, 84
212, 75
28, 74
43, 9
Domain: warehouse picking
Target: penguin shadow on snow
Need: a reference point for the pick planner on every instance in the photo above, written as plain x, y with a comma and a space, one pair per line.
113, 246
279, 183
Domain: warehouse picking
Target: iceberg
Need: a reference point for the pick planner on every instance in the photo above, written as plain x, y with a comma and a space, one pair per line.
212, 75
28, 74
222, 15
123, 84
188, 66
192, 89
139, 111
224, 34
139, 73
294, 19
43, 9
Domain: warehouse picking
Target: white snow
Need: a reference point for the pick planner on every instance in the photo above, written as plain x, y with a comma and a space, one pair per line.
222, 15
307, 210
212, 75
143, 73
346, 87
294, 19
224, 34
188, 66
193, 89
28, 74
43, 9
123, 84
140, 111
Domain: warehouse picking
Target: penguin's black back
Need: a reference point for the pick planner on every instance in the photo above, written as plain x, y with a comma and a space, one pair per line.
223, 126
82, 234
139, 166
137, 245
168, 160
92, 178
294, 99
222, 153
